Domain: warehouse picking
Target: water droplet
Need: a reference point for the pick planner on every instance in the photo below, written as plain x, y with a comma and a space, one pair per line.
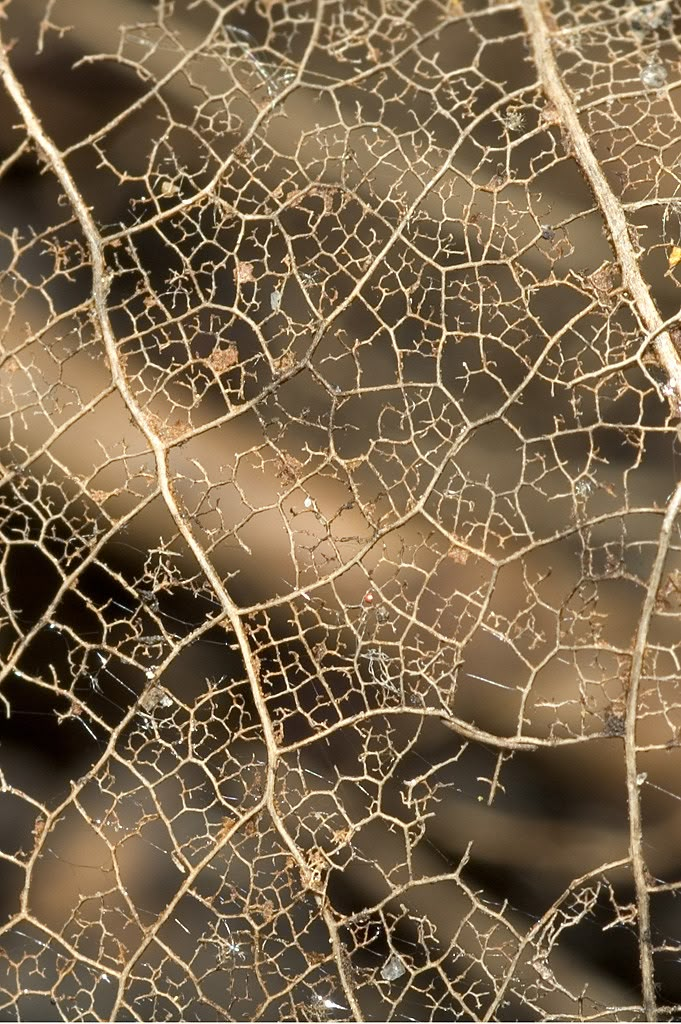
393, 968
653, 75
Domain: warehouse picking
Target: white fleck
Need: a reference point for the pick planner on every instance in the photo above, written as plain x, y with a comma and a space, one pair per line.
653, 75
492, 682
308, 503
393, 968
275, 299
641, 778
150, 673
329, 1004
513, 120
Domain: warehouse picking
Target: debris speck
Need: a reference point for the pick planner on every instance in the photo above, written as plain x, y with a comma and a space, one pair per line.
674, 256
155, 697
393, 968
243, 272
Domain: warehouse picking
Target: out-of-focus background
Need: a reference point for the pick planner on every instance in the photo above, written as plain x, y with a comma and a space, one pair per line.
327, 532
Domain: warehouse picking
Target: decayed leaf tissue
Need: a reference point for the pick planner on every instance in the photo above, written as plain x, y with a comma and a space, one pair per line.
340, 561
